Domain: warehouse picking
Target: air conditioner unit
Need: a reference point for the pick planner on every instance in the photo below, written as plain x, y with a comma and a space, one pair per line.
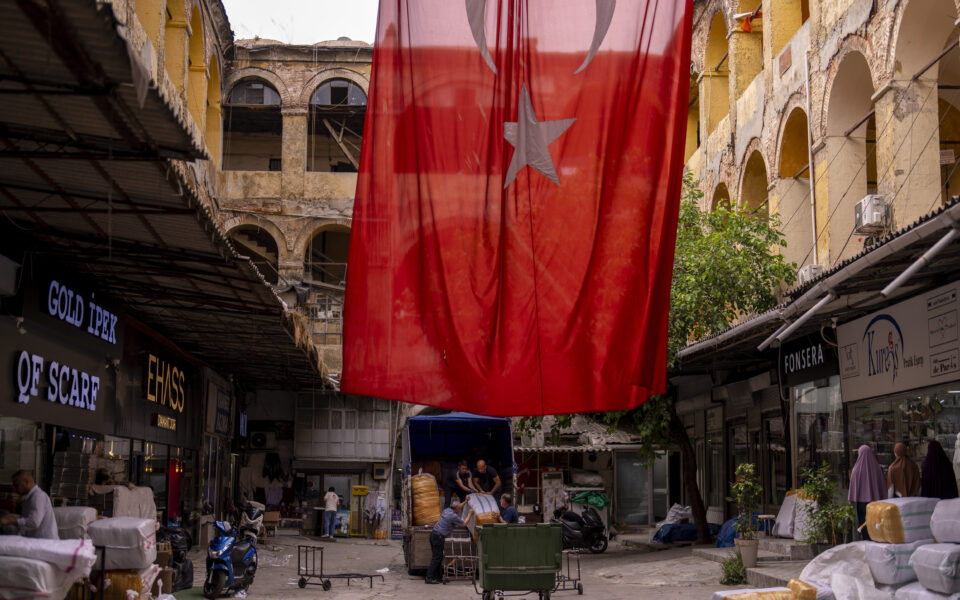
263, 440
808, 273
871, 214
380, 471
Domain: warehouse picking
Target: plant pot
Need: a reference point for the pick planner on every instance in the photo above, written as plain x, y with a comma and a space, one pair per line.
748, 552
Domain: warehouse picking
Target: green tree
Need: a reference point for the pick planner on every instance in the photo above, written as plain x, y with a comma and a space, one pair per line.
726, 264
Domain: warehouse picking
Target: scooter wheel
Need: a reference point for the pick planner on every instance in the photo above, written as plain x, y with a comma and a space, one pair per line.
302, 583
580, 589
327, 585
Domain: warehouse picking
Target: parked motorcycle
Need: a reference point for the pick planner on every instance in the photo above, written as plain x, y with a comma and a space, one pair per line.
232, 556
583, 531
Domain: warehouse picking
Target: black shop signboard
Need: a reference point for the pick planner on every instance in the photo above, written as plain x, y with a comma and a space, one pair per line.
160, 390
62, 353
807, 359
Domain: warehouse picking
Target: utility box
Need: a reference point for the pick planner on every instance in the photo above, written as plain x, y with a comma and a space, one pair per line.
871, 214
808, 273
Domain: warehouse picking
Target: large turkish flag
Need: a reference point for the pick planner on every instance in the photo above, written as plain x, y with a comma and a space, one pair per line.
516, 210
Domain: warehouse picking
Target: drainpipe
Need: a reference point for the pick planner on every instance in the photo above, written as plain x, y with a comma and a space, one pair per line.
813, 193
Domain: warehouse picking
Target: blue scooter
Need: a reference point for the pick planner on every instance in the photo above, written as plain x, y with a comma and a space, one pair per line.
232, 558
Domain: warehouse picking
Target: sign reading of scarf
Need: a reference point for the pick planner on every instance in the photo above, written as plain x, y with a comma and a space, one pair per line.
516, 209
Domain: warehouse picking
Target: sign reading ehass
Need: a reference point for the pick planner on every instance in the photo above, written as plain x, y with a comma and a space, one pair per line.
165, 383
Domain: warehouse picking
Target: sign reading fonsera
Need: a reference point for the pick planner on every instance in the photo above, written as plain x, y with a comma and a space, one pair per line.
64, 384
909, 345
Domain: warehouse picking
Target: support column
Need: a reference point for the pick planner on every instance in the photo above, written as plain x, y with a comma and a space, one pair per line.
746, 58
790, 198
714, 99
908, 149
294, 154
839, 188
197, 94
175, 52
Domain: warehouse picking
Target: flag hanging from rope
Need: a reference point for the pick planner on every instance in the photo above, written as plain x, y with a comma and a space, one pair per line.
516, 208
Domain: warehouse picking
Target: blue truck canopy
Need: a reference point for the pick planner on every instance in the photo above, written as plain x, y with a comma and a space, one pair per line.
457, 435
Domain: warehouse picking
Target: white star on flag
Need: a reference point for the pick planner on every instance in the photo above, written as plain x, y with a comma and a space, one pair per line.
530, 139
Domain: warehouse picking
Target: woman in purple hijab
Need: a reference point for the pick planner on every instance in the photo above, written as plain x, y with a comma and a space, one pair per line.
937, 479
867, 484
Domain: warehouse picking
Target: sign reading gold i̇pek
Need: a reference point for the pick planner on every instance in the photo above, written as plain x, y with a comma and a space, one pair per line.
165, 383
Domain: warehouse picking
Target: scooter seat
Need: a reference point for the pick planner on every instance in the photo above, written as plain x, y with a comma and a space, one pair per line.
239, 551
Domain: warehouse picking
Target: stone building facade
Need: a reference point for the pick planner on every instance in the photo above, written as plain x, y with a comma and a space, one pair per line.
875, 80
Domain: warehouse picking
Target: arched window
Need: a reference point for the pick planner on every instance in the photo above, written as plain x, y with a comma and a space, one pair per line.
197, 79
259, 245
693, 120
721, 197
212, 134
792, 189
753, 188
850, 159
253, 127
326, 256
175, 43
337, 110
748, 50
715, 94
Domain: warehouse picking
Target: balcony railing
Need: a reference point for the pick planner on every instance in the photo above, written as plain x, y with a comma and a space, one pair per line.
324, 309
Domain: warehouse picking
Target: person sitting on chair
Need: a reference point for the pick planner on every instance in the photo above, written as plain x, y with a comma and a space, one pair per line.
508, 514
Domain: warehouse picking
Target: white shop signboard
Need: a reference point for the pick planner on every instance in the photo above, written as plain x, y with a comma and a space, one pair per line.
909, 345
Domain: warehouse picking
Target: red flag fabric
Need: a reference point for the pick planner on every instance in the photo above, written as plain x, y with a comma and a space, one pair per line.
516, 209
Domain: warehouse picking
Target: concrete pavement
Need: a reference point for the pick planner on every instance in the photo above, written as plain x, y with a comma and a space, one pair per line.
621, 573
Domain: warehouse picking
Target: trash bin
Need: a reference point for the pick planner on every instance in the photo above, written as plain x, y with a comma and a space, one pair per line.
520, 558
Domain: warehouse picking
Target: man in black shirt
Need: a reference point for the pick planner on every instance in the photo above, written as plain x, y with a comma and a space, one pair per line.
486, 480
457, 483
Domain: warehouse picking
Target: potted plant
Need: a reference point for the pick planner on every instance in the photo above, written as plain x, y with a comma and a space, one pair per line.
825, 521
745, 493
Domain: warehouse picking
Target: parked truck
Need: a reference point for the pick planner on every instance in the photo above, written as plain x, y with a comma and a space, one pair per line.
435, 444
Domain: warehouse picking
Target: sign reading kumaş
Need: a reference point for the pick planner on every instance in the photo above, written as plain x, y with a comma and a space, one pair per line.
909, 345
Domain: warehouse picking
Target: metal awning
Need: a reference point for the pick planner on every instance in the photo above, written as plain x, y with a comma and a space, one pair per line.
573, 449
69, 81
87, 180
856, 283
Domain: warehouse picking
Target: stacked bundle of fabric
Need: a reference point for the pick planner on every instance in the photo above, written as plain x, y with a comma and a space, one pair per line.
426, 499
130, 550
937, 565
40, 569
485, 508
796, 590
898, 527
72, 521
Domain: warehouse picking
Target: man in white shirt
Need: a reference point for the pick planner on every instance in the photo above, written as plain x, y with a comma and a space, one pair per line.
331, 503
37, 520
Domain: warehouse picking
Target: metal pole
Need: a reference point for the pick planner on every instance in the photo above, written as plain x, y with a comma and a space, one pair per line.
813, 193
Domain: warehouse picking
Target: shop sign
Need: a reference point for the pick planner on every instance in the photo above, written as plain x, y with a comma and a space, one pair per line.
65, 385
70, 307
165, 383
909, 345
222, 423
807, 359
163, 421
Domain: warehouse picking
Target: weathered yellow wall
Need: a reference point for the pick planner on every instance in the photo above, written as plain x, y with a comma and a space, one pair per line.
150, 13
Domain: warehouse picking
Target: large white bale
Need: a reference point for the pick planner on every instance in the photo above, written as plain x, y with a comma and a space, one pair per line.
890, 563
130, 543
71, 556
938, 567
916, 591
786, 516
900, 520
945, 522
72, 521
24, 578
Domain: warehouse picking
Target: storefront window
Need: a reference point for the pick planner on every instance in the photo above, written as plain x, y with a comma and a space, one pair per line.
74, 466
775, 462
717, 486
19, 447
818, 414
155, 470
915, 418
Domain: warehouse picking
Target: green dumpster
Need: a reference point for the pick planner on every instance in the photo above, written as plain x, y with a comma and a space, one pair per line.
519, 558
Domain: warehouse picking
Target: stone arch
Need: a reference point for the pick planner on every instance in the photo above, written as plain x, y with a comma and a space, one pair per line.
286, 98
720, 197
267, 225
796, 102
337, 73
853, 45
920, 30
314, 227
263, 247
754, 182
326, 254
793, 147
